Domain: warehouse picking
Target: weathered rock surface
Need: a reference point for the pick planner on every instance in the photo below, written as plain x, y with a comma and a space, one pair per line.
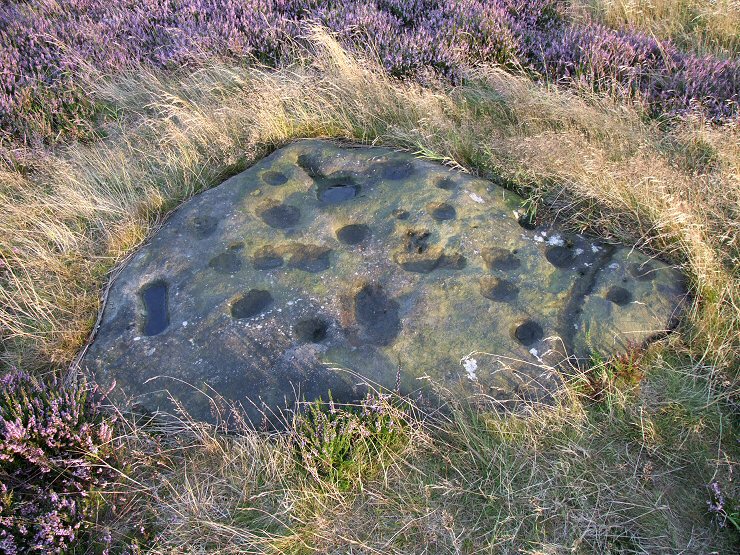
323, 268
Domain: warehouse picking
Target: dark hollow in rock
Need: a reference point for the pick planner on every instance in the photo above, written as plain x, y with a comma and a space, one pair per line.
416, 240
498, 289
309, 258
266, 258
394, 169
337, 189
274, 178
432, 259
401, 214
497, 258
226, 263
446, 183
311, 330
527, 221
455, 261
311, 164
619, 295
441, 211
417, 256
642, 272
528, 332
236, 246
353, 234
560, 257
419, 263
252, 303
202, 226
277, 215
156, 314
377, 314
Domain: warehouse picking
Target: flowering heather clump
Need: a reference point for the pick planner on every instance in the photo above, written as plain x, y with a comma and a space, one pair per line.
44, 45
54, 454
670, 80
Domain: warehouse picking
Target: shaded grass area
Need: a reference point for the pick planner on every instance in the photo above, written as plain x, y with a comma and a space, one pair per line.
620, 464
706, 27
625, 474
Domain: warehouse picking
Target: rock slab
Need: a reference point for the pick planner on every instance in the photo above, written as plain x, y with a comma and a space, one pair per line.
326, 268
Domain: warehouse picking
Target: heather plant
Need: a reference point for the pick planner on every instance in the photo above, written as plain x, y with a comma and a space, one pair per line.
723, 508
56, 452
632, 64
611, 378
700, 25
341, 444
47, 49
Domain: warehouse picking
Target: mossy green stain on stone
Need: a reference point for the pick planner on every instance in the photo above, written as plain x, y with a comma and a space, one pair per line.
264, 302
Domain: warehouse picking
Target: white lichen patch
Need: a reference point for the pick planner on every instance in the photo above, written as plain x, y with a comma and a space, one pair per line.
470, 365
556, 241
476, 198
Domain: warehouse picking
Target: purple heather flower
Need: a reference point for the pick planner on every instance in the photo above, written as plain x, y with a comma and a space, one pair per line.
42, 45
47, 428
716, 501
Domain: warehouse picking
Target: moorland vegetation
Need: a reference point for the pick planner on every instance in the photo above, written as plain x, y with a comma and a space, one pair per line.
622, 121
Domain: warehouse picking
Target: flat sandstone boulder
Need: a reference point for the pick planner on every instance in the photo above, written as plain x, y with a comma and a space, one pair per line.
324, 268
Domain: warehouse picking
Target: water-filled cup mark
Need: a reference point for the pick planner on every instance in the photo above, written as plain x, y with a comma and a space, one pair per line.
156, 311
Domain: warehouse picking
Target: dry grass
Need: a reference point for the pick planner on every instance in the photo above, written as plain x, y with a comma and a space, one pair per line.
705, 26
72, 214
623, 475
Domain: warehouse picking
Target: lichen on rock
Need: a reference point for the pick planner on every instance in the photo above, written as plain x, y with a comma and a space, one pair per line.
323, 268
